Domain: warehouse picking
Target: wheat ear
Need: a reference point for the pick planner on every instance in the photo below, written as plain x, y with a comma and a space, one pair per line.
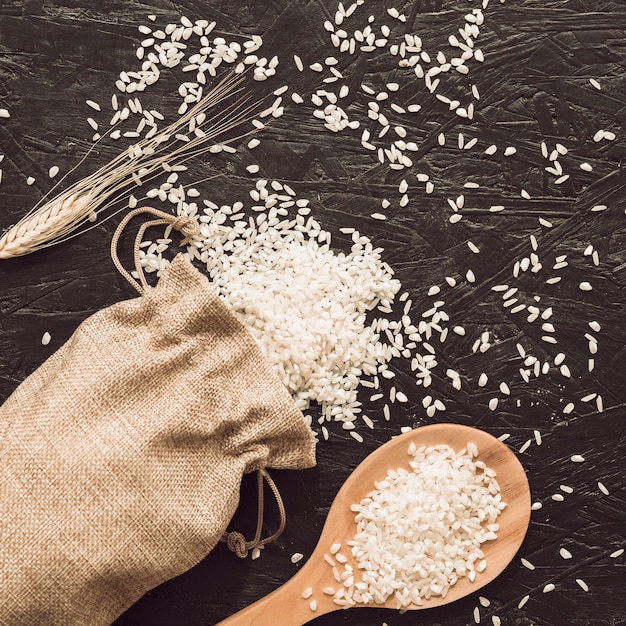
60, 215
54, 220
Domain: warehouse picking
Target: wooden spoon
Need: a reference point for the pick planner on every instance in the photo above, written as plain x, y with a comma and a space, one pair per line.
286, 607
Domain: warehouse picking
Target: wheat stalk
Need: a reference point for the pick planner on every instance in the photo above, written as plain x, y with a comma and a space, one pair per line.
53, 221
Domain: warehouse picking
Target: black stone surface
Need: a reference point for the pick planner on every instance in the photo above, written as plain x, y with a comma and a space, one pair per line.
535, 86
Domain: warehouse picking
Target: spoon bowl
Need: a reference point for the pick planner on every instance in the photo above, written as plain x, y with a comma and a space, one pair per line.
286, 606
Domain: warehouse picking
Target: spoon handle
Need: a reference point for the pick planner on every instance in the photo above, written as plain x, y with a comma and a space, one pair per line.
283, 607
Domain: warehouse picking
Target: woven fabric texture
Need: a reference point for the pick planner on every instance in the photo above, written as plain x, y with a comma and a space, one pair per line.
122, 455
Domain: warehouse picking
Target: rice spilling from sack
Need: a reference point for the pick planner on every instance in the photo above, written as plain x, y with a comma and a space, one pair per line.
421, 530
305, 304
310, 307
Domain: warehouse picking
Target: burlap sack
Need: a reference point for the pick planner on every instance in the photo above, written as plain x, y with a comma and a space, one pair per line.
121, 456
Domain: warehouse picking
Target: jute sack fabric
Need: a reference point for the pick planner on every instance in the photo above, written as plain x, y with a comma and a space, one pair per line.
121, 456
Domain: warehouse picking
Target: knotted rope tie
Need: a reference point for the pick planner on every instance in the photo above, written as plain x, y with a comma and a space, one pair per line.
183, 223
187, 227
236, 542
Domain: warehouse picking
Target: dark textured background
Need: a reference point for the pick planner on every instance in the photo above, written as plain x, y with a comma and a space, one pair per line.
534, 85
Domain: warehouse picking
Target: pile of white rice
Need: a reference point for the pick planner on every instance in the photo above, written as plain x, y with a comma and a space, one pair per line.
421, 531
311, 308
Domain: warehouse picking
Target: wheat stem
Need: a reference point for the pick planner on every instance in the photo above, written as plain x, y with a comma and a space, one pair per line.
53, 221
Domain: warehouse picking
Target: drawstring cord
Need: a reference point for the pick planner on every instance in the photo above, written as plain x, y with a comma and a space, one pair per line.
182, 223
235, 541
